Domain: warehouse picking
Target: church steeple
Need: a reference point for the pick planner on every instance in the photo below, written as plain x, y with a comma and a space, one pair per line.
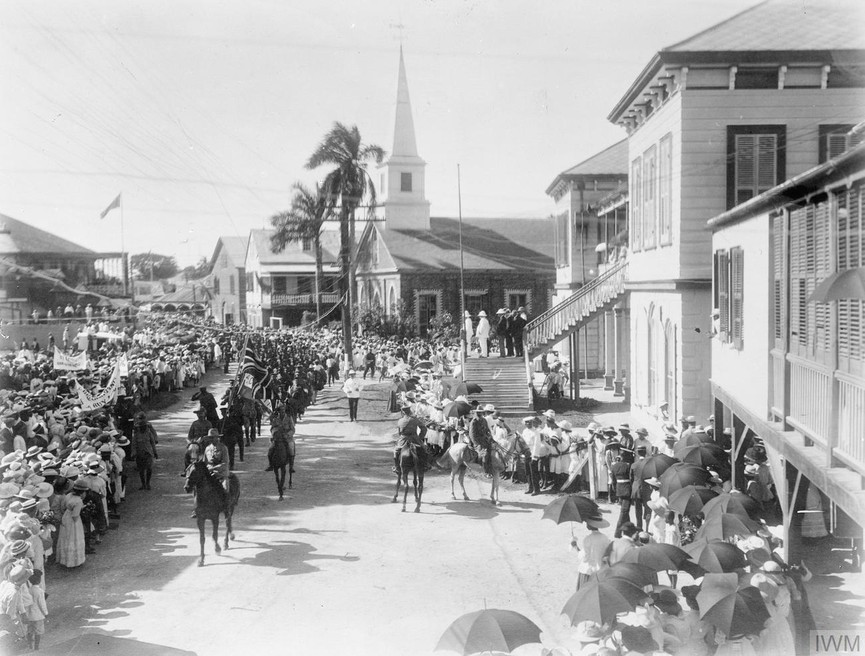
404, 144
403, 184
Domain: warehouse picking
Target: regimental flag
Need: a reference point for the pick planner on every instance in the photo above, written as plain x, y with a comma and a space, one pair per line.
253, 375
114, 205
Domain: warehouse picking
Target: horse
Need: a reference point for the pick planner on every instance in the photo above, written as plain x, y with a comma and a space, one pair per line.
209, 502
409, 460
280, 453
457, 458
249, 412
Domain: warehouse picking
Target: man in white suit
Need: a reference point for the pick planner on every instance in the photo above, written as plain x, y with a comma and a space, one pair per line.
483, 334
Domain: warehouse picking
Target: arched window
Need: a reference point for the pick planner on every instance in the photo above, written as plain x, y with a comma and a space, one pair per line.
361, 300
670, 367
391, 303
376, 299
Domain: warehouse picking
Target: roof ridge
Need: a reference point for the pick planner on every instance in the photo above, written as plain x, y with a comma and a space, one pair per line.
716, 25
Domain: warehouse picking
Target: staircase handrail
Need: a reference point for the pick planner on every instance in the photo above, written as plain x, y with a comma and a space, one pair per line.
587, 298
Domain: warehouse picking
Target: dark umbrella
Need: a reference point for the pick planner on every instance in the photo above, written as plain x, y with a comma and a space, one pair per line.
841, 285
601, 601
406, 386
733, 610
654, 466
457, 409
423, 365
657, 556
489, 630
693, 439
464, 389
703, 454
639, 575
690, 499
733, 502
723, 526
572, 508
681, 475
716, 556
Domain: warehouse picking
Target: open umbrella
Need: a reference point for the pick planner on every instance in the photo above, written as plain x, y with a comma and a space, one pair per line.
733, 502
703, 454
489, 630
716, 556
457, 409
690, 499
601, 601
423, 365
733, 610
723, 526
637, 574
654, 466
841, 285
657, 556
692, 439
406, 386
572, 508
681, 475
464, 389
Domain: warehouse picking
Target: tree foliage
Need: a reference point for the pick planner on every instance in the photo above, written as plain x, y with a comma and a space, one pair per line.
162, 266
374, 321
198, 270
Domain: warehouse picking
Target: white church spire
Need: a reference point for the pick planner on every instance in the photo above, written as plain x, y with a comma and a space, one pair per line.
403, 183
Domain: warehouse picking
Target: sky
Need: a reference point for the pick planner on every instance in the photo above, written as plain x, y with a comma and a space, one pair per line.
203, 113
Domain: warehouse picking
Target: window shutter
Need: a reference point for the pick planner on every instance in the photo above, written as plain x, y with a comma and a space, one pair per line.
835, 144
745, 167
650, 181
737, 284
665, 190
779, 278
636, 204
822, 268
798, 271
724, 295
767, 157
851, 312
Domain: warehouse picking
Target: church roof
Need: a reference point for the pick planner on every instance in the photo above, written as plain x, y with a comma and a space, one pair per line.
498, 244
19, 237
235, 247
613, 160
293, 252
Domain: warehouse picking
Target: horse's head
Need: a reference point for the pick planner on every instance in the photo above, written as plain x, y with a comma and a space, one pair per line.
194, 475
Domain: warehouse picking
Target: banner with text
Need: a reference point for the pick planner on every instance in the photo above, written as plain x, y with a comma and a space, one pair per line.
65, 362
91, 401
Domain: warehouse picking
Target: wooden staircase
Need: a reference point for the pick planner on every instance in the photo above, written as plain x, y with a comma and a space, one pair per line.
589, 301
504, 383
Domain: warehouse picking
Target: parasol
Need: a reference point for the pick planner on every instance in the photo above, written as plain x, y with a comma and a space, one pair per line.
572, 508
601, 601
657, 556
654, 466
716, 556
489, 630
841, 285
692, 439
703, 454
637, 574
457, 409
723, 526
406, 386
464, 389
733, 502
424, 365
681, 475
733, 610
690, 499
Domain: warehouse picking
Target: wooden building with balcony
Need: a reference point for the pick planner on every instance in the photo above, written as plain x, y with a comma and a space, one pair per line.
788, 359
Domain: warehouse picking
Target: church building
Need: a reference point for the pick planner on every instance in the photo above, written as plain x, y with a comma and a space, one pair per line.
410, 257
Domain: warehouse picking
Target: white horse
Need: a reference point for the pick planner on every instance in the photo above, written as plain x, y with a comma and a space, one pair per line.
457, 458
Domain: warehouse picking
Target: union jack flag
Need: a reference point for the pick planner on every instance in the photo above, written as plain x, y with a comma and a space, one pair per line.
252, 374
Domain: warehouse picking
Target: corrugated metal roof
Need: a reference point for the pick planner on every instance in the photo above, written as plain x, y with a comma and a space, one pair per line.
783, 25
499, 244
20, 237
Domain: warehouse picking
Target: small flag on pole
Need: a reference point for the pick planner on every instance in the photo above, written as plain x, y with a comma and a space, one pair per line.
114, 204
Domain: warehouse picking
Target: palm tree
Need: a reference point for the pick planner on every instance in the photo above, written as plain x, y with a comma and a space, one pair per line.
348, 183
304, 222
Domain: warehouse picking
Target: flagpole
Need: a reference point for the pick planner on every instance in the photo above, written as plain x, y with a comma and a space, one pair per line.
123, 271
468, 342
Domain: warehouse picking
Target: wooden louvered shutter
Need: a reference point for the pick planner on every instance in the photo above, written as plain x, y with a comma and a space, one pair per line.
779, 276
636, 204
851, 312
723, 280
737, 291
835, 144
746, 166
767, 158
798, 256
822, 327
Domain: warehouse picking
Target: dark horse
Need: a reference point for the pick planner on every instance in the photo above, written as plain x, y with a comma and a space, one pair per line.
280, 454
209, 502
410, 460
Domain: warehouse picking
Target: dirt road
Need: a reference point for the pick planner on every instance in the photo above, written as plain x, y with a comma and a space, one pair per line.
335, 568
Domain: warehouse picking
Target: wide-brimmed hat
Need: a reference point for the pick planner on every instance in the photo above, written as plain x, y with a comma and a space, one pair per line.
489, 407
80, 485
8, 490
667, 601
549, 414
624, 428
18, 574
501, 311
565, 425
588, 631
28, 505
653, 481
19, 547
642, 432
44, 490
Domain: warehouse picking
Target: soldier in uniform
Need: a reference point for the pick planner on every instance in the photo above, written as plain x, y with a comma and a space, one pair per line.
409, 431
481, 437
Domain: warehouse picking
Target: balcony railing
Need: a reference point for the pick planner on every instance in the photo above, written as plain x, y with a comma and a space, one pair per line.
301, 299
810, 399
851, 422
597, 293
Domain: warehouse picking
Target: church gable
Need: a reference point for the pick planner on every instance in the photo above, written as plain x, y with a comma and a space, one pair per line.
372, 252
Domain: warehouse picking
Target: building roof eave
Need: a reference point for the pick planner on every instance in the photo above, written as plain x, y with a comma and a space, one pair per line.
651, 69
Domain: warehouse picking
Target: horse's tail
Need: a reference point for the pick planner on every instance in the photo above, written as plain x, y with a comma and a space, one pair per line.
444, 461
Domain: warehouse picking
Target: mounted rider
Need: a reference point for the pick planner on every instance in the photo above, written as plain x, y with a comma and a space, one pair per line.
208, 402
216, 459
410, 432
481, 437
